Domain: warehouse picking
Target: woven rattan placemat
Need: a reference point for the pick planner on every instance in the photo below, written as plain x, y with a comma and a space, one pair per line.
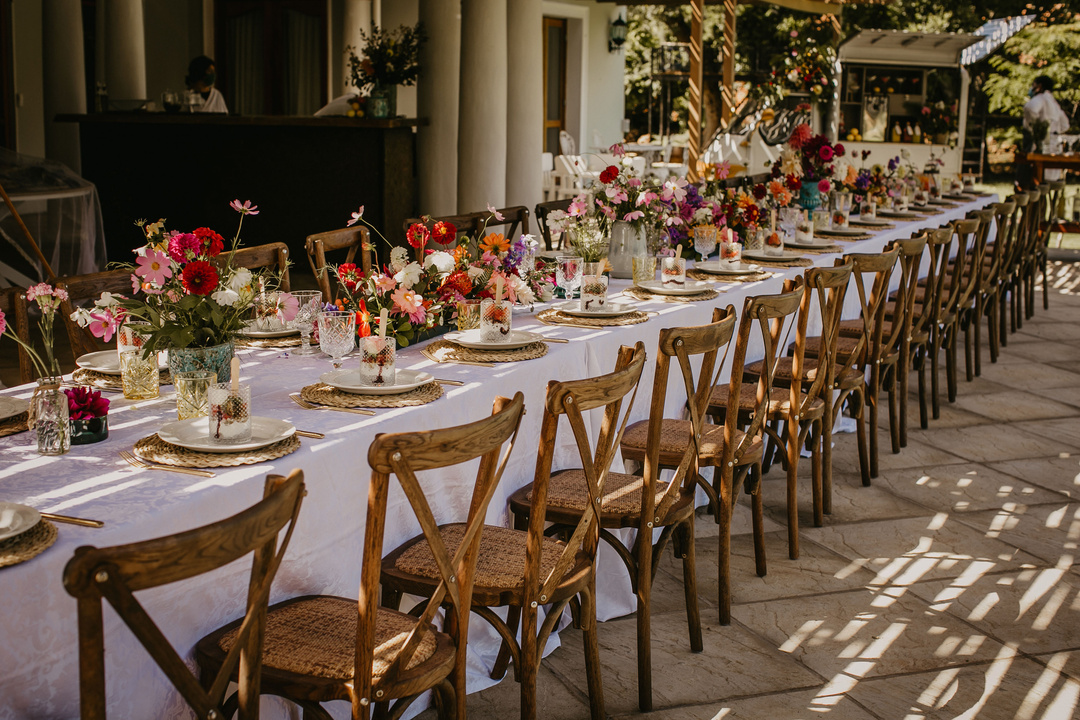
873, 226
14, 424
552, 316
27, 545
821, 249
795, 262
103, 381
154, 449
695, 274
288, 341
848, 238
447, 351
643, 294
322, 394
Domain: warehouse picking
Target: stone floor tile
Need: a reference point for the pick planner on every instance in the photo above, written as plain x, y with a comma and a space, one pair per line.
990, 443
1043, 351
1015, 406
1060, 473
734, 662
1070, 395
1035, 610
1035, 375
905, 551
799, 705
1064, 431
851, 500
980, 385
916, 454
1007, 689
964, 488
1053, 330
1050, 533
950, 415
864, 633
555, 700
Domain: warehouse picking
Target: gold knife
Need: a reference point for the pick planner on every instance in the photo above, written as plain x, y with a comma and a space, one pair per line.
310, 434
73, 520
559, 340
456, 383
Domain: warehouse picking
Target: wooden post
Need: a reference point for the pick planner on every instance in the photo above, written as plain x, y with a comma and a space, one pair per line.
697, 20
727, 90
49, 274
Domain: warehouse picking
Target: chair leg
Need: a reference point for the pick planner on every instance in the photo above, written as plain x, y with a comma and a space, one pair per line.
530, 661
950, 362
935, 384
826, 456
977, 330
895, 424
724, 559
760, 565
904, 371
592, 649
502, 661
969, 358
1003, 332
860, 434
993, 329
924, 420
872, 402
685, 532
792, 447
816, 470
643, 547
1046, 281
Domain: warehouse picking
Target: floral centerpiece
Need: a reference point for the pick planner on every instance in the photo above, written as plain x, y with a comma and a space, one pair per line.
938, 120
809, 158
88, 414
48, 300
390, 58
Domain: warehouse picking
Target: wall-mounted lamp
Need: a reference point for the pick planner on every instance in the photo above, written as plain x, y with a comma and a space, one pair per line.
618, 34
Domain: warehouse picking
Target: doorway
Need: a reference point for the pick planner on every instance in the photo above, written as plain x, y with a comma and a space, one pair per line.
554, 82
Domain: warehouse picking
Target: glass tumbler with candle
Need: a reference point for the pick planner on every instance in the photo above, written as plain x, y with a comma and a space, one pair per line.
644, 267
139, 375
673, 271
804, 229
307, 312
230, 412
378, 360
495, 319
593, 292
468, 314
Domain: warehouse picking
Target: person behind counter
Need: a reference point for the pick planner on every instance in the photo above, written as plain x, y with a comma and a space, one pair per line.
200, 78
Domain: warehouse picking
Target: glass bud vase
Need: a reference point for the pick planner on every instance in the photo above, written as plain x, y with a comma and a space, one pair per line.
49, 409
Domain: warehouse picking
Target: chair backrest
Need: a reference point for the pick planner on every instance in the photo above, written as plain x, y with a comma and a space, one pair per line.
567, 145
872, 305
274, 256
515, 222
351, 240
571, 399
985, 218
967, 263
828, 287
542, 211
402, 455
1055, 200
116, 573
82, 288
938, 242
1018, 232
903, 316
13, 305
1000, 248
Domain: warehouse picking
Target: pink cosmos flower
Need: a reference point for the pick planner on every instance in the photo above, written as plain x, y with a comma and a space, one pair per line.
723, 170
406, 302
136, 284
246, 209
103, 325
498, 215
153, 267
634, 182
577, 207
287, 307
384, 283
617, 150
356, 216
634, 215
184, 247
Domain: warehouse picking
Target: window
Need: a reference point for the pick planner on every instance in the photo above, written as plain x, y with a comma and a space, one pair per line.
554, 82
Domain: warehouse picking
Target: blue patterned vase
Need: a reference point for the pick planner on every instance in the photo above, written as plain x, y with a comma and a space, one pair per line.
216, 359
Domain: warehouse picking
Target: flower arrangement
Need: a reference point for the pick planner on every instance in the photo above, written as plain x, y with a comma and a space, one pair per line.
48, 300
806, 66
85, 403
808, 157
185, 286
620, 195
390, 57
938, 118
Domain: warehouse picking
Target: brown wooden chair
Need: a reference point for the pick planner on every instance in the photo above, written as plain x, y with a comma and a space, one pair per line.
932, 292
523, 568
83, 290
350, 240
963, 282
906, 334
685, 446
1035, 257
272, 256
321, 648
116, 573
1012, 285
542, 211
993, 270
13, 305
971, 304
515, 222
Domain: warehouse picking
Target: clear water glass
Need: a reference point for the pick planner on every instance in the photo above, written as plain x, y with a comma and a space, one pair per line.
593, 293
230, 413
822, 219
192, 393
378, 361
643, 268
468, 314
568, 270
337, 334
705, 240
307, 312
138, 375
495, 320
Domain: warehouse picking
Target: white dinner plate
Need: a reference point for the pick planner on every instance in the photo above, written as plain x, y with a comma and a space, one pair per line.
471, 339
348, 380
760, 255
873, 222
16, 519
957, 196
839, 232
940, 201
194, 434
719, 267
10, 407
107, 362
807, 245
611, 309
691, 287
250, 331
898, 214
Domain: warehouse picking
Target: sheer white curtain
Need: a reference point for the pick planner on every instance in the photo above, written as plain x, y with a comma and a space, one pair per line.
303, 63
247, 77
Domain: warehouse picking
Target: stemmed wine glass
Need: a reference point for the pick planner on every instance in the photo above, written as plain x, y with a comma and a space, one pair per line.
705, 240
337, 334
568, 269
306, 314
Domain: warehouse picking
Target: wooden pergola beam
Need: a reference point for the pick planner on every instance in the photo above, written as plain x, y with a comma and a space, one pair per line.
697, 50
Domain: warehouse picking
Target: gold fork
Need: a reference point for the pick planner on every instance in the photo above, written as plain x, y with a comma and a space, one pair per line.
311, 406
134, 461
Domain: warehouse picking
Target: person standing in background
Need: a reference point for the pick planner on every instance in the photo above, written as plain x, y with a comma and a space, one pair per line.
200, 78
1043, 106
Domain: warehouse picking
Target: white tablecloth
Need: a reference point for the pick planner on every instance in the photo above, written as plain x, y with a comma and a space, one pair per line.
38, 634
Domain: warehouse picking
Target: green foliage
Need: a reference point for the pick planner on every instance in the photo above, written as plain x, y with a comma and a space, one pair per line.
1052, 50
390, 57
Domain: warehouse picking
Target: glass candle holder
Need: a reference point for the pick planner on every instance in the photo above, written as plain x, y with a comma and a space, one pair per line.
842, 201
309, 304
804, 230
230, 413
138, 375
822, 219
868, 210
840, 219
731, 252
673, 271
378, 361
468, 314
593, 293
131, 336
774, 243
704, 240
644, 268
495, 318
920, 197
568, 270
192, 388
266, 312
337, 334
755, 240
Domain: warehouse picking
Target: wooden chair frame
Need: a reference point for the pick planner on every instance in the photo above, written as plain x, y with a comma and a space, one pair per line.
13, 305
89, 287
542, 211
352, 240
907, 328
992, 290
115, 574
972, 310
967, 264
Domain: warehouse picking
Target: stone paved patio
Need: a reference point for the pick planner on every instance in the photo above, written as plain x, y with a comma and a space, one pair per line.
950, 588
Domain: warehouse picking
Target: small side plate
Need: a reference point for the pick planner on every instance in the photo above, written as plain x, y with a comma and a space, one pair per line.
16, 519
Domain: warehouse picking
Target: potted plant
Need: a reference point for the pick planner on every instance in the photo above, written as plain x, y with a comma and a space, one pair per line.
88, 414
390, 58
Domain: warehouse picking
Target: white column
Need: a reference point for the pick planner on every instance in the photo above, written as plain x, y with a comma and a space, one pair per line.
64, 77
437, 104
482, 130
125, 49
524, 102
357, 18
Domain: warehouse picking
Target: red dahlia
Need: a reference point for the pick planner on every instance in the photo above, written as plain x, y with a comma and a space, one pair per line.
212, 243
458, 282
760, 191
349, 276
200, 278
417, 235
609, 174
443, 232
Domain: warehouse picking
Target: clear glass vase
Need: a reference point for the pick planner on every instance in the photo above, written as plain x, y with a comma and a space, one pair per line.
49, 407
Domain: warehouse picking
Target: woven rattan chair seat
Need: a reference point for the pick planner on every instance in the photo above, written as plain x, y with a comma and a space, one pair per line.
785, 367
622, 492
779, 402
845, 345
675, 434
316, 636
502, 556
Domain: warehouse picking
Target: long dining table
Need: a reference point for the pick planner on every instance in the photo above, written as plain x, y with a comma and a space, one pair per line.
38, 631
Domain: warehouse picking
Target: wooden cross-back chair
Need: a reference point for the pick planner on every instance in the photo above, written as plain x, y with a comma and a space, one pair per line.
352, 240
1035, 259
271, 256
685, 446
1024, 255
912, 331
116, 573
995, 261
971, 308
1011, 285
963, 281
322, 648
930, 300
524, 567
515, 222
1054, 220
542, 211
13, 305
84, 289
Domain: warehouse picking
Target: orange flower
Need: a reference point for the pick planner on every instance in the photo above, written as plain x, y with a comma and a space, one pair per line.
495, 243
745, 201
461, 255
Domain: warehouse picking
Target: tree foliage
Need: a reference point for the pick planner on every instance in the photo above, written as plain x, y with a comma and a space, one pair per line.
1052, 50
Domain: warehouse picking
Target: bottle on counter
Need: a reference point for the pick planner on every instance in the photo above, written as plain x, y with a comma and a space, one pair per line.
101, 97
917, 135
907, 133
897, 134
